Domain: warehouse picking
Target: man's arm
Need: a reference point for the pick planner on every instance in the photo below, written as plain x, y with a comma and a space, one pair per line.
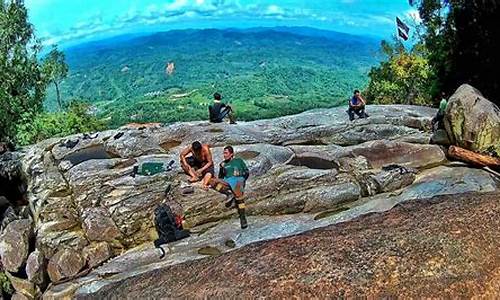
246, 172
221, 171
363, 102
183, 155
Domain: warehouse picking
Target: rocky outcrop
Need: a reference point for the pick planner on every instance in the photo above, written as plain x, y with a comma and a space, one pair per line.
66, 263
473, 122
91, 215
15, 243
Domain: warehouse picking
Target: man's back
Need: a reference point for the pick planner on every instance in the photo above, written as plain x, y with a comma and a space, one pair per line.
215, 112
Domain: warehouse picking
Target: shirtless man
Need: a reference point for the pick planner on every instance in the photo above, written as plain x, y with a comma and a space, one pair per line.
196, 161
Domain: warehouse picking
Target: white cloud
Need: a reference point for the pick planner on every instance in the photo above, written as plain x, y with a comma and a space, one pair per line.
177, 4
274, 10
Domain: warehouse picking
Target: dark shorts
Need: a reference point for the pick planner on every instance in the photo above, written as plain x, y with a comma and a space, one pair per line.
198, 164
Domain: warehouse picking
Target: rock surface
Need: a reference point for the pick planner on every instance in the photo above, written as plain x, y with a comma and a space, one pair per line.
473, 122
14, 244
421, 255
66, 263
92, 216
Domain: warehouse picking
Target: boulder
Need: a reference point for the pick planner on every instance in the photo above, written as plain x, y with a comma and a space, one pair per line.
96, 254
440, 137
472, 122
98, 225
66, 263
50, 242
35, 268
23, 286
383, 153
14, 244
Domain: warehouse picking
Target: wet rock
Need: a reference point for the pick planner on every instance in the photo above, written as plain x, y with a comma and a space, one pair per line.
14, 244
66, 263
472, 122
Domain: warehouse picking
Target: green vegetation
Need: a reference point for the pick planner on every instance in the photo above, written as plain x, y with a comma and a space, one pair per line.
405, 78
22, 85
453, 46
55, 70
23, 82
263, 73
75, 119
5, 285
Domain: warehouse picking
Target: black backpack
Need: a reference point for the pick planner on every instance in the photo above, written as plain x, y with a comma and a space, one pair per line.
166, 227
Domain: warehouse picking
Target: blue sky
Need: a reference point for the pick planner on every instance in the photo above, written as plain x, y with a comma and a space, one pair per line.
74, 21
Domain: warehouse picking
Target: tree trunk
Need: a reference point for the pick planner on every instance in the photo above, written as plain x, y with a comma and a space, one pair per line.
58, 96
473, 157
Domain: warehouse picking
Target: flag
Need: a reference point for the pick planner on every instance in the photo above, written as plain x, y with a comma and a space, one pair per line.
403, 34
403, 29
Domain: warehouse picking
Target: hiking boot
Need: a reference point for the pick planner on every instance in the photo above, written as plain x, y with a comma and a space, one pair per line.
243, 221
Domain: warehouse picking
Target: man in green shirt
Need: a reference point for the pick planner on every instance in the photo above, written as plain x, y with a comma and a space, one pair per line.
233, 173
440, 114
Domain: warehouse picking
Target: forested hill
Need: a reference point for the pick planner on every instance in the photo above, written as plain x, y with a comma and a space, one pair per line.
265, 72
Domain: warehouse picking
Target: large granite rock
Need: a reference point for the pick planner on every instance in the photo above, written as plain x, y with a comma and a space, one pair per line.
66, 263
473, 122
36, 268
14, 244
87, 207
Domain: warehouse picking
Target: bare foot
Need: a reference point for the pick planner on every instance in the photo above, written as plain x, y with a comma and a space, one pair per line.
193, 179
205, 187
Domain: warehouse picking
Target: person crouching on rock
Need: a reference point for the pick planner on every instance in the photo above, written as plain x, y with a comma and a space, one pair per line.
438, 119
357, 106
233, 173
196, 161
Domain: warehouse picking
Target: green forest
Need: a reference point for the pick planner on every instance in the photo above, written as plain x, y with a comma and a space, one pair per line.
259, 71
263, 72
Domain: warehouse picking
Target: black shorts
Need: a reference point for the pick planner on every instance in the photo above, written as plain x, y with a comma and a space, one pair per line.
198, 164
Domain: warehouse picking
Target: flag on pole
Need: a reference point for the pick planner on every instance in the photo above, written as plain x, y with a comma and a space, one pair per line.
403, 29
403, 34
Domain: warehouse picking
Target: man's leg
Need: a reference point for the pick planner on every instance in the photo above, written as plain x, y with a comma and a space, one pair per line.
350, 112
360, 112
206, 180
189, 170
241, 212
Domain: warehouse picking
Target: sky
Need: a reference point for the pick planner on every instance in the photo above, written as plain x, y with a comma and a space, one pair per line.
68, 22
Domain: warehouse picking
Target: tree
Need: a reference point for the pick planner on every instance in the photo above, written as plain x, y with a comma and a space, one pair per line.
75, 119
55, 70
403, 78
460, 36
22, 87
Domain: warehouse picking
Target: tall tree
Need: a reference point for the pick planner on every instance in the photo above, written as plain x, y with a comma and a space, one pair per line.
461, 38
55, 70
22, 87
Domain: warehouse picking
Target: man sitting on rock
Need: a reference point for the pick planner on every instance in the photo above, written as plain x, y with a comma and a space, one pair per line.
196, 161
233, 173
357, 106
219, 111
